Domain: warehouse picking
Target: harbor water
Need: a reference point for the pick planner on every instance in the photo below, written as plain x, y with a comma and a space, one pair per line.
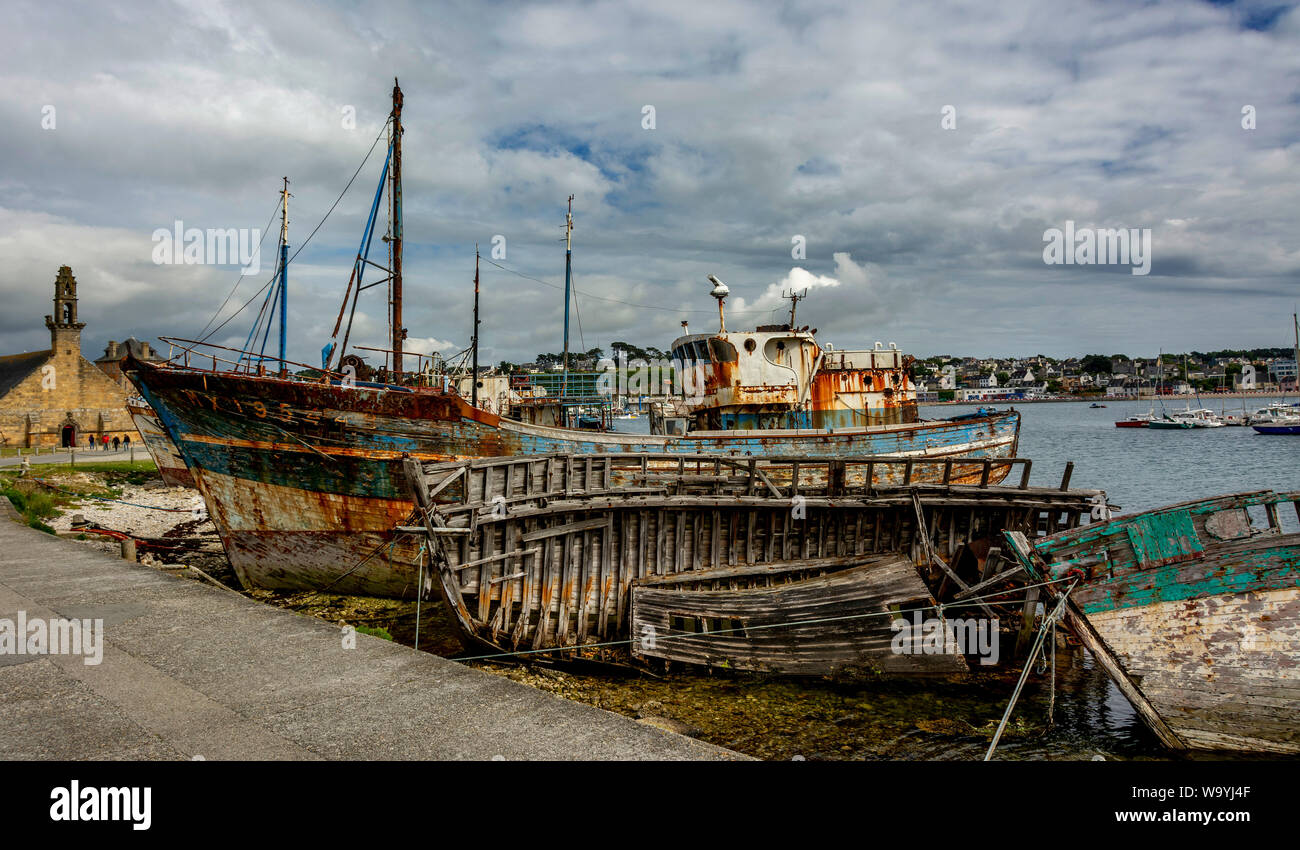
951, 719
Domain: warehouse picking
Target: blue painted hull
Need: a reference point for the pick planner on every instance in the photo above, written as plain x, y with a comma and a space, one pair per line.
1277, 429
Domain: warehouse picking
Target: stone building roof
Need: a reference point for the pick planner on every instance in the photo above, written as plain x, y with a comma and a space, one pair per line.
15, 367
115, 351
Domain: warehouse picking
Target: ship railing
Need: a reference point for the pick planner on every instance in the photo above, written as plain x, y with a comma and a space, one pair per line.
181, 352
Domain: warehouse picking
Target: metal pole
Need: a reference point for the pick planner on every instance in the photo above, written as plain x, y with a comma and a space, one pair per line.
568, 281
284, 274
473, 381
395, 243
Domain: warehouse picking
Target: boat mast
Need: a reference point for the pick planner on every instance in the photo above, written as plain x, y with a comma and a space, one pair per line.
568, 282
1295, 352
284, 273
473, 381
395, 238
795, 298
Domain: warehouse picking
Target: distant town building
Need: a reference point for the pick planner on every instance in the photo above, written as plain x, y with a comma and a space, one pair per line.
1284, 373
56, 397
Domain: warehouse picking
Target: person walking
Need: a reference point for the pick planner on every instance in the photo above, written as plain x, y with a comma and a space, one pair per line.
117, 443
90, 442
105, 442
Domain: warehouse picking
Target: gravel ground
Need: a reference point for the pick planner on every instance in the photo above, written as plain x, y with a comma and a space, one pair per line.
185, 504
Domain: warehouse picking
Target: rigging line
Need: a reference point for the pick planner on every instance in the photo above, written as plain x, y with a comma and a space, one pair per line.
242, 275
344, 192
304, 244
260, 290
578, 313
619, 300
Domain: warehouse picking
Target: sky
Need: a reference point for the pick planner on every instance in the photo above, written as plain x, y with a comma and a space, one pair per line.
918, 152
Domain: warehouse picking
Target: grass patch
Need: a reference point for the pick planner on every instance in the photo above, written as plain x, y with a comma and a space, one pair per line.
376, 631
34, 503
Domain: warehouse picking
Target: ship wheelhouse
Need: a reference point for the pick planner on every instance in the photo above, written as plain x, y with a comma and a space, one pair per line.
779, 377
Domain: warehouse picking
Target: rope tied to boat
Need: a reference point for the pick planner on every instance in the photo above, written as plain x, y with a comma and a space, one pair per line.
1049, 622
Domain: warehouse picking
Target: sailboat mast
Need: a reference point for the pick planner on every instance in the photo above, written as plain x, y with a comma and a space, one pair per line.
284, 273
395, 238
1295, 352
473, 381
568, 282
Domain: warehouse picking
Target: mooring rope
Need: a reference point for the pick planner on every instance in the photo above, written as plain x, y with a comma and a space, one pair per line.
1048, 621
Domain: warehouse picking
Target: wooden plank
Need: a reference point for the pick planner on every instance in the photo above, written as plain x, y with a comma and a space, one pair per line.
608, 573
559, 530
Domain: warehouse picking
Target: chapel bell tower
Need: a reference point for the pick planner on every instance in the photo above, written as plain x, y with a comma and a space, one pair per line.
65, 330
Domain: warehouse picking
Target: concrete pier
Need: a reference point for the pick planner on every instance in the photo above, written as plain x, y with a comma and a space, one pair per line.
192, 671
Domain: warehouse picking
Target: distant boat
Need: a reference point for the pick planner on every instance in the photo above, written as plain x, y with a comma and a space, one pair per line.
1095, 405
1202, 418
1279, 428
1170, 424
1191, 611
1137, 420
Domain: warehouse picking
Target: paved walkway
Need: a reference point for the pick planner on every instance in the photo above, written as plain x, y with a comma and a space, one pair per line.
191, 671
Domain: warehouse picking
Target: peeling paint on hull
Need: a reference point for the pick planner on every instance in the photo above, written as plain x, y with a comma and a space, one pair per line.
304, 480
1200, 613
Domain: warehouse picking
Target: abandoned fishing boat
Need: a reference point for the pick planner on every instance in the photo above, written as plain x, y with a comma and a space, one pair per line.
171, 466
1194, 612
301, 466
791, 566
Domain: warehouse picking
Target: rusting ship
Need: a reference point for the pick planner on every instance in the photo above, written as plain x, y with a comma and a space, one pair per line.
790, 566
1194, 612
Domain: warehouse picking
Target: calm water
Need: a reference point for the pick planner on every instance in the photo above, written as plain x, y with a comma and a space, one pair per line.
1139, 469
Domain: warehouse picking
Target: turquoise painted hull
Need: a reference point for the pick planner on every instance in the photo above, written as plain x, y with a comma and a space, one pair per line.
1200, 611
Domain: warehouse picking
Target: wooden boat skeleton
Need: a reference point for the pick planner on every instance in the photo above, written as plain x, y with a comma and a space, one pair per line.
719, 560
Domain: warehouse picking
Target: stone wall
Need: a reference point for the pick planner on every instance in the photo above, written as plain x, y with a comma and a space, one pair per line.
74, 391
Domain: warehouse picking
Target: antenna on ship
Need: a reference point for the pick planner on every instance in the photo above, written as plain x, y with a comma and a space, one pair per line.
568, 282
720, 292
795, 298
395, 240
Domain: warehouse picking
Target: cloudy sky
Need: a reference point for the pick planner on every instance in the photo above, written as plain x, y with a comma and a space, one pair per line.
831, 122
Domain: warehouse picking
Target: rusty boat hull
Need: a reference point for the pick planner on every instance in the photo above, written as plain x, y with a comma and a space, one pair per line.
1195, 613
304, 479
171, 466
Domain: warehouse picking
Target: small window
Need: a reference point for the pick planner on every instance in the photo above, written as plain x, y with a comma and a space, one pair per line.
750, 345
722, 351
